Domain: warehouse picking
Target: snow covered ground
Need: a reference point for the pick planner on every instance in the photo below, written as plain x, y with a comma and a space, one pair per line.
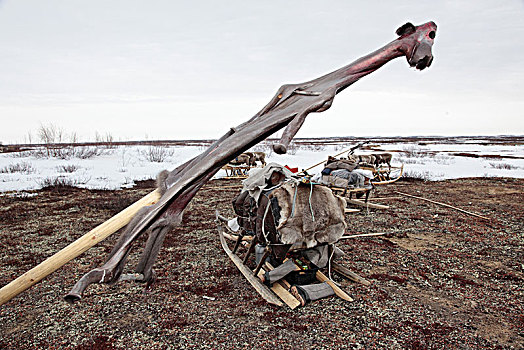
119, 167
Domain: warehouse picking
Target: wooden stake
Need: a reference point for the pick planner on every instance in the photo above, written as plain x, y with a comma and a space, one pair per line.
368, 205
383, 198
349, 274
444, 205
338, 291
336, 155
365, 235
76, 248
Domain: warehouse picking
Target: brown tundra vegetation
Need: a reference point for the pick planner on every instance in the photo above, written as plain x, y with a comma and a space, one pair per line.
441, 279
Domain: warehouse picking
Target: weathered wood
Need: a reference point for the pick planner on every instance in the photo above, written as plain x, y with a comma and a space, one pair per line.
443, 204
262, 260
74, 249
263, 290
384, 198
235, 237
344, 271
336, 155
390, 181
338, 291
365, 235
280, 288
367, 204
350, 210
288, 109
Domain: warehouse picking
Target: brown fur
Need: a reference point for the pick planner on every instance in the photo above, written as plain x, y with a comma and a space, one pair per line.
161, 181
366, 158
261, 157
244, 158
328, 225
383, 158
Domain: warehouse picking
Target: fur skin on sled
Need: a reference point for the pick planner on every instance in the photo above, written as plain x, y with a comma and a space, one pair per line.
297, 226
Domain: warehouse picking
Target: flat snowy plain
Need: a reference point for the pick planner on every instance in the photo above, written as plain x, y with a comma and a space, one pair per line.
110, 168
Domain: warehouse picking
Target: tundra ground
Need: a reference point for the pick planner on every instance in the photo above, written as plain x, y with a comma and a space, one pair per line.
441, 280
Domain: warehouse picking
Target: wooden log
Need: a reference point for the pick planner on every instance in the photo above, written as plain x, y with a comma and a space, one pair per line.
74, 249
443, 204
368, 205
338, 291
344, 271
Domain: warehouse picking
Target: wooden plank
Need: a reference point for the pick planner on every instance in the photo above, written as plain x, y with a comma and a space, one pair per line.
283, 293
367, 205
338, 291
344, 271
74, 249
262, 289
444, 205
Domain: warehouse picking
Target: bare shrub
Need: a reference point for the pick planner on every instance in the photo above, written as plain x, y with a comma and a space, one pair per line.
23, 154
61, 182
85, 152
67, 168
265, 147
157, 154
314, 147
107, 139
414, 152
22, 167
408, 160
292, 148
411, 175
54, 137
505, 166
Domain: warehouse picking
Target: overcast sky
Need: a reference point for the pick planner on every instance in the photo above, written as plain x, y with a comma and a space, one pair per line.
180, 70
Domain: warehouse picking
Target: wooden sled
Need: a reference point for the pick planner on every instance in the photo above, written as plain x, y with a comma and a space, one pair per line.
385, 175
279, 293
236, 171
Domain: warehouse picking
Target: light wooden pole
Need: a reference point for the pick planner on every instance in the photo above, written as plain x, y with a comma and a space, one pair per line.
76, 248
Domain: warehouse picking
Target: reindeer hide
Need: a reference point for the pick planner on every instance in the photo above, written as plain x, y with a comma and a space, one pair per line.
297, 224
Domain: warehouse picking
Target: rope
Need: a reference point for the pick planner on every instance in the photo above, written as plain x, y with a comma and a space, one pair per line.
294, 201
264, 221
310, 206
329, 266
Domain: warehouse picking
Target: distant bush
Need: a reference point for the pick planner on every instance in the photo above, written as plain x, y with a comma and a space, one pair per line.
157, 154
411, 175
414, 152
505, 166
68, 168
107, 139
65, 152
85, 152
23, 167
61, 182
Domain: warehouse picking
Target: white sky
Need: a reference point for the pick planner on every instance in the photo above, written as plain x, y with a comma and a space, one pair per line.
179, 70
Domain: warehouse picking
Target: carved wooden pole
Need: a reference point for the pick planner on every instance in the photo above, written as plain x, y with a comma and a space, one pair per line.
288, 108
